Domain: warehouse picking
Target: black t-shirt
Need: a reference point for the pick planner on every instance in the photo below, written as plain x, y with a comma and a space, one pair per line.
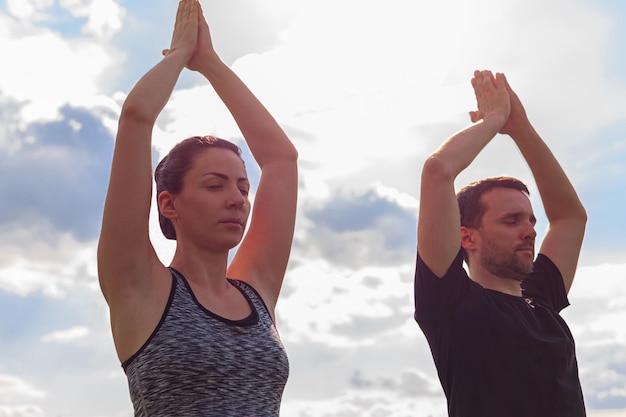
499, 355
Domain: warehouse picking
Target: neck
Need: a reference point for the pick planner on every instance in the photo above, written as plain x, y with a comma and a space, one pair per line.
493, 282
202, 267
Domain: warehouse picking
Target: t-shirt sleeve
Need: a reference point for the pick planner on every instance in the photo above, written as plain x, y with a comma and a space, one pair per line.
545, 283
433, 295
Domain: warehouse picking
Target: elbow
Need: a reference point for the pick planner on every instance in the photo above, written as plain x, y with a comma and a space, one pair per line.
291, 159
580, 219
283, 155
583, 215
436, 169
290, 152
574, 219
579, 213
136, 113
293, 155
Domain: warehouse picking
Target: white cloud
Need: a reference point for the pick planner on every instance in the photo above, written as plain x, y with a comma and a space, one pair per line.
602, 286
30, 263
105, 18
13, 388
21, 411
607, 413
28, 9
365, 403
323, 304
51, 71
67, 335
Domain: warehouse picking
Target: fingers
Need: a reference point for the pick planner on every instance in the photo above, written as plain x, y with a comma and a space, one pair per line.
179, 10
184, 37
200, 11
488, 80
201, 19
191, 9
491, 95
485, 80
187, 11
501, 82
506, 84
505, 81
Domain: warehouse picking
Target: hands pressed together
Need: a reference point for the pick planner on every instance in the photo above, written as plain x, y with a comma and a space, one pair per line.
497, 103
191, 36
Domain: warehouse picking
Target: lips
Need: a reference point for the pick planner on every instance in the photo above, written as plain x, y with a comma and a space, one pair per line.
526, 249
232, 221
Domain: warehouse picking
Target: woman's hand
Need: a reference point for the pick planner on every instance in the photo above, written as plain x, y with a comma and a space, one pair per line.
204, 51
185, 35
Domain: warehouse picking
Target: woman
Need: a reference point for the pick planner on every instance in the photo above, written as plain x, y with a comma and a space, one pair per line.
198, 338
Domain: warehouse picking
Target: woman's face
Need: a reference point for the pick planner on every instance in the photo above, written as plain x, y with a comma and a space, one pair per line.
212, 208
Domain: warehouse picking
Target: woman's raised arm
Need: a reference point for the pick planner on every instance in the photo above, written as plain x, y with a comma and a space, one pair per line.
125, 254
263, 255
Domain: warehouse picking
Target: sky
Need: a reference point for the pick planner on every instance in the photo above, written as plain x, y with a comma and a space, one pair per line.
366, 90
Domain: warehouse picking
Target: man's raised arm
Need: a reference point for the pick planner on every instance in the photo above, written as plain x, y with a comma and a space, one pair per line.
438, 234
566, 214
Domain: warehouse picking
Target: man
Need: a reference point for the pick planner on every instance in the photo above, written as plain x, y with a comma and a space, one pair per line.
499, 344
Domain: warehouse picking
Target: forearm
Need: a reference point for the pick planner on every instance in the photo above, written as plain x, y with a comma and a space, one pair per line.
265, 138
558, 195
458, 152
152, 92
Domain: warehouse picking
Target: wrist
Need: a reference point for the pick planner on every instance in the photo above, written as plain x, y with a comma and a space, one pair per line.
177, 56
520, 130
495, 120
209, 64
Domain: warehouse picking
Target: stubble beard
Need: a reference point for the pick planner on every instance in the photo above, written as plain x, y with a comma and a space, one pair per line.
504, 263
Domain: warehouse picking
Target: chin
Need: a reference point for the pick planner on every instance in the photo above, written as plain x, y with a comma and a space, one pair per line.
233, 244
526, 261
525, 271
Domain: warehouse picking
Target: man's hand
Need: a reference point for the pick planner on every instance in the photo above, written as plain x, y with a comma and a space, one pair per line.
517, 120
492, 98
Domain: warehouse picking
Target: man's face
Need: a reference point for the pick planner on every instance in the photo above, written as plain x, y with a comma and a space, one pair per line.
506, 236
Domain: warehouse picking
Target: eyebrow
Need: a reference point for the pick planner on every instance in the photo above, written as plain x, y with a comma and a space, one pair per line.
516, 214
224, 176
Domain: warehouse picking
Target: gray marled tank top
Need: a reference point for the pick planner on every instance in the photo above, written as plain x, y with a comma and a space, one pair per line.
197, 363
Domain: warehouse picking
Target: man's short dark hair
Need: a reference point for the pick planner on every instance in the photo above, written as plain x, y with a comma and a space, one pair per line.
472, 208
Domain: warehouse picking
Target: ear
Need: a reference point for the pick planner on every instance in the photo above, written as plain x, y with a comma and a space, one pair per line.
468, 238
165, 200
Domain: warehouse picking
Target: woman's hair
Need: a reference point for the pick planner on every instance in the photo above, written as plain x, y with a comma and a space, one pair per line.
170, 172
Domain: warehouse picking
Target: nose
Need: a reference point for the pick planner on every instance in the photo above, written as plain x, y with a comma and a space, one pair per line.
529, 231
235, 198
